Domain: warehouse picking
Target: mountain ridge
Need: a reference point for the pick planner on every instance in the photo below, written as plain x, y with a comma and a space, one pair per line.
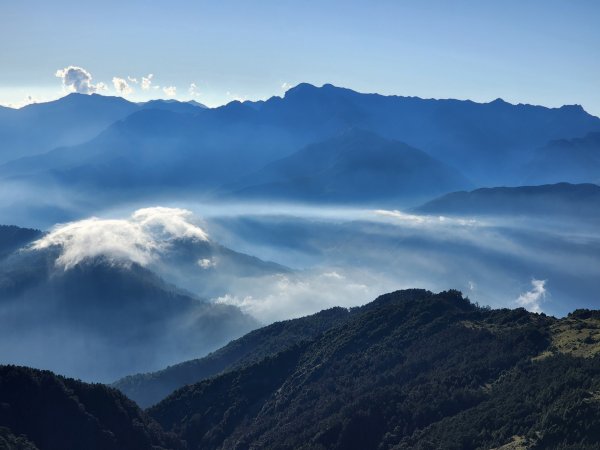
414, 370
566, 200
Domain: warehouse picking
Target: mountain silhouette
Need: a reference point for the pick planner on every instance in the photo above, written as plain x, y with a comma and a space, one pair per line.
562, 200
356, 166
168, 151
572, 160
70, 120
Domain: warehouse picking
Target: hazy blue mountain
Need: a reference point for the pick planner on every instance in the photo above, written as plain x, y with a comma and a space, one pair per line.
104, 318
160, 151
208, 268
190, 107
355, 167
149, 388
70, 120
572, 160
164, 151
562, 200
100, 320
73, 119
13, 238
411, 370
44, 411
484, 140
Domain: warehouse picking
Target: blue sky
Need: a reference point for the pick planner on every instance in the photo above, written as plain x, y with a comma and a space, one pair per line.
541, 52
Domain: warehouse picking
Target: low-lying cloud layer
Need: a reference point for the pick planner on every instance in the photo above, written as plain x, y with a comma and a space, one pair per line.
138, 239
285, 296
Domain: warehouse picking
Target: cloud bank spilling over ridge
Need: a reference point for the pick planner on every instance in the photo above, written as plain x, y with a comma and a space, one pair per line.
137, 239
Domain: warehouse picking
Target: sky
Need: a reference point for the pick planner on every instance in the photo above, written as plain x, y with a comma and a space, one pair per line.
527, 51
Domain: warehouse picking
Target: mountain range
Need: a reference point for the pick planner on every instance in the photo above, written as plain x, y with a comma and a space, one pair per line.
73, 119
303, 146
353, 194
411, 369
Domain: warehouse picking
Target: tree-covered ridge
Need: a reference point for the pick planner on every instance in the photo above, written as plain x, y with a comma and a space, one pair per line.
148, 389
9, 441
43, 411
410, 370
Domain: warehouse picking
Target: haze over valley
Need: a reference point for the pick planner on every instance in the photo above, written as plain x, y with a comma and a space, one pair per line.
306, 227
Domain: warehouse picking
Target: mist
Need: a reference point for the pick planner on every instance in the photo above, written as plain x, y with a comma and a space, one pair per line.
137, 287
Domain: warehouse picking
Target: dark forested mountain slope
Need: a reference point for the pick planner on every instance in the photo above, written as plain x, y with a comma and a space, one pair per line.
43, 411
573, 160
356, 166
148, 389
574, 201
411, 370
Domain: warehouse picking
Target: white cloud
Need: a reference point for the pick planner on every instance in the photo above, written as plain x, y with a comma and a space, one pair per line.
193, 90
280, 297
170, 91
285, 86
101, 87
121, 86
415, 220
132, 79
139, 238
77, 79
206, 263
147, 82
532, 300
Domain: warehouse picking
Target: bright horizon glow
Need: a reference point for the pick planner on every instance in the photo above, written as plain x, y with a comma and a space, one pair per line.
540, 52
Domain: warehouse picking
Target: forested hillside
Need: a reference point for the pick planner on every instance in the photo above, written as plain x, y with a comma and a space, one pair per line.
149, 388
412, 370
40, 410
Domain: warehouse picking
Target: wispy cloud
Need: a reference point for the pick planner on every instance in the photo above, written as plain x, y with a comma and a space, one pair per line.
280, 297
532, 299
